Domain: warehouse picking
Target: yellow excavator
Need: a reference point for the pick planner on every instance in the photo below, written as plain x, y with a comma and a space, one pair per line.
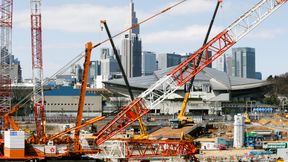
181, 119
247, 118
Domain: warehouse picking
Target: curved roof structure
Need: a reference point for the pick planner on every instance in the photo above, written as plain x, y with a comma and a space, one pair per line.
218, 80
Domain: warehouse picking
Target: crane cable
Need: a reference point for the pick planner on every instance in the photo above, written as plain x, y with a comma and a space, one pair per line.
82, 54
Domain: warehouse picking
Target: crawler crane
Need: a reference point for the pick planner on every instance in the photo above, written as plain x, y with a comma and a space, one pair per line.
180, 75
186, 70
182, 119
143, 130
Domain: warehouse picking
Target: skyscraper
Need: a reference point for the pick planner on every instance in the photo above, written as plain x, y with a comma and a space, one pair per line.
220, 63
76, 73
131, 48
94, 71
258, 75
228, 64
148, 63
243, 62
166, 60
15, 70
109, 65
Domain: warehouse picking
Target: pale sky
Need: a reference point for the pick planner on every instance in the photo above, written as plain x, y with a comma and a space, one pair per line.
69, 24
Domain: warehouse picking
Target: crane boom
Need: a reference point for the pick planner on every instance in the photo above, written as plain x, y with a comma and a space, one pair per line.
143, 130
181, 119
88, 49
91, 121
186, 70
8, 122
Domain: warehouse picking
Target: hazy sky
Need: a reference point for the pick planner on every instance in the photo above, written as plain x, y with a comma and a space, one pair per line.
69, 24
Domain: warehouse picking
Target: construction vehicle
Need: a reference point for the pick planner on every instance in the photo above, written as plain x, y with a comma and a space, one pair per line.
143, 129
179, 147
186, 70
181, 119
167, 85
247, 118
74, 147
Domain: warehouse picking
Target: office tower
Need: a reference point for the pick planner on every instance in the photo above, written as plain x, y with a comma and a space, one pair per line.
109, 65
76, 73
220, 63
228, 64
243, 62
166, 60
148, 63
258, 75
209, 55
15, 70
131, 48
94, 71
104, 53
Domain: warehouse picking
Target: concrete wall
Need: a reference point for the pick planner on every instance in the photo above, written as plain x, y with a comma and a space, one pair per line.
171, 107
70, 104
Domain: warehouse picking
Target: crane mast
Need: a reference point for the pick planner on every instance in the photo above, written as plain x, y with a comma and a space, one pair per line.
37, 66
6, 9
186, 70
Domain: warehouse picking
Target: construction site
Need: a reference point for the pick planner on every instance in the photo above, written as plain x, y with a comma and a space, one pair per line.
138, 130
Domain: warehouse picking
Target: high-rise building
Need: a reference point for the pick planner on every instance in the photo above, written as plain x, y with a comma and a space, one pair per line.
204, 56
131, 48
15, 71
229, 64
105, 53
220, 63
258, 75
166, 60
148, 63
76, 73
209, 54
109, 65
94, 71
243, 62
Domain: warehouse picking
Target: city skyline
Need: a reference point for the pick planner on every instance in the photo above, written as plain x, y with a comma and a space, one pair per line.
131, 47
159, 35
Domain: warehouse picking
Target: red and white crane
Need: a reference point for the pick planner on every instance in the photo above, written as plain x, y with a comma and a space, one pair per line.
188, 69
6, 9
37, 67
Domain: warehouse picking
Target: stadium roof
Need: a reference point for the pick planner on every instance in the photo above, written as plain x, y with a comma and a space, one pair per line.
217, 79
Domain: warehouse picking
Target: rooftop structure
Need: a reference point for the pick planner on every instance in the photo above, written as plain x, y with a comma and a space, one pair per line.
216, 80
211, 88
